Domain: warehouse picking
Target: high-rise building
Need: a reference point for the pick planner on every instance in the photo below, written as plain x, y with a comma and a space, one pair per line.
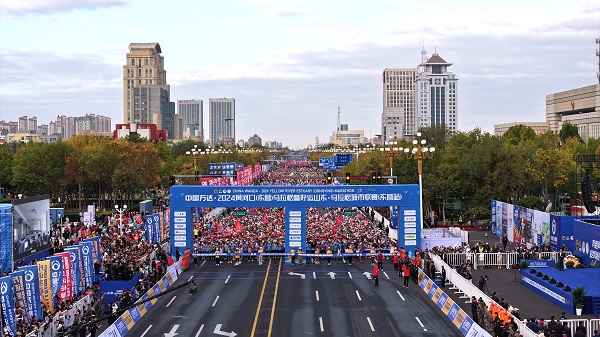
221, 120
27, 124
191, 111
398, 117
92, 123
151, 105
436, 93
144, 65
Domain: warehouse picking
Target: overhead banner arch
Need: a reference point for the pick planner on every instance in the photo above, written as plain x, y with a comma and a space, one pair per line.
295, 200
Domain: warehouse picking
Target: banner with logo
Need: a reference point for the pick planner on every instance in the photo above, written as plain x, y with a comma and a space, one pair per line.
87, 249
56, 276
45, 282
6, 235
18, 280
96, 248
587, 242
149, 225
67, 285
32, 291
76, 269
8, 304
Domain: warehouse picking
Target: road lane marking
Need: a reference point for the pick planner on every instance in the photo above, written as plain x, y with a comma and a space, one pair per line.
399, 294
274, 299
314, 275
321, 324
203, 262
215, 302
199, 331
386, 275
191, 277
358, 295
421, 324
370, 324
148, 329
317, 292
227, 280
171, 301
262, 293
350, 275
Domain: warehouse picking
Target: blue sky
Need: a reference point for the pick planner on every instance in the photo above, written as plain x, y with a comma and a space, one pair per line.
290, 64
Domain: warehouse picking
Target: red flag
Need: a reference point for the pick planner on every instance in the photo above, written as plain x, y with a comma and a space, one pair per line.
238, 226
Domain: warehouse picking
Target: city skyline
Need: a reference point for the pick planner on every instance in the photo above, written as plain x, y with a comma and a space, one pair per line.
290, 64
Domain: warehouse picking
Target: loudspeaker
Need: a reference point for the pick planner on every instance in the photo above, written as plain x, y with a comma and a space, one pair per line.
586, 195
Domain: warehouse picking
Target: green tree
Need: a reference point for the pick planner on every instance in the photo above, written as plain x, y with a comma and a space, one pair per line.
519, 133
567, 131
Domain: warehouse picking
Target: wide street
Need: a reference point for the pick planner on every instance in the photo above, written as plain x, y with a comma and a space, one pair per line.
287, 301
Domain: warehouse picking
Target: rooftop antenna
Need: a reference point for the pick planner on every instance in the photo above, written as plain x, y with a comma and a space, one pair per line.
423, 59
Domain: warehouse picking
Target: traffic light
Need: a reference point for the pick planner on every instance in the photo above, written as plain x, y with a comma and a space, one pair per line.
379, 179
347, 178
373, 177
329, 178
171, 180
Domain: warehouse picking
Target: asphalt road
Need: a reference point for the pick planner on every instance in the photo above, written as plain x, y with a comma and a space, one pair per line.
288, 301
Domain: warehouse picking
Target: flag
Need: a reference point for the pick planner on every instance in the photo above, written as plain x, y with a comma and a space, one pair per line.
67, 285
76, 270
88, 262
45, 284
8, 304
32, 291
56, 276
238, 225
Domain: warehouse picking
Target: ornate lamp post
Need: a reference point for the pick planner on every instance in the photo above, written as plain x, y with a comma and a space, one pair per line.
120, 209
418, 152
391, 150
194, 153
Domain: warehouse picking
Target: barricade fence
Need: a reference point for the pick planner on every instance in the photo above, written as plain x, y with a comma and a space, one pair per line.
469, 289
68, 317
588, 324
494, 260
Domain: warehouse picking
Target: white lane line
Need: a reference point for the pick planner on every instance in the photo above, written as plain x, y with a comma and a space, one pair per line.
215, 302
227, 280
358, 295
199, 331
386, 275
370, 324
421, 324
399, 294
203, 262
191, 277
314, 275
317, 292
321, 324
349, 274
148, 329
171, 301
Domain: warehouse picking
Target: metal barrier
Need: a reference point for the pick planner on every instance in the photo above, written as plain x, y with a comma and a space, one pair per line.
593, 325
574, 323
483, 260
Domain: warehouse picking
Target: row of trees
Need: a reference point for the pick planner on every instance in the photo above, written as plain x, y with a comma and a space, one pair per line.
475, 167
97, 167
471, 167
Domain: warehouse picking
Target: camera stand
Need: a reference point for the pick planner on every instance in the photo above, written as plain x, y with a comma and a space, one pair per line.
515, 280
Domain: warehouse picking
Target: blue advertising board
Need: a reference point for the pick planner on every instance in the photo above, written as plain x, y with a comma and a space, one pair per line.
295, 199
221, 169
6, 235
342, 159
587, 242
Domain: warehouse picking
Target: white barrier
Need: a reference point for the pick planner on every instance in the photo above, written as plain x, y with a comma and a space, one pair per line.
469, 289
483, 260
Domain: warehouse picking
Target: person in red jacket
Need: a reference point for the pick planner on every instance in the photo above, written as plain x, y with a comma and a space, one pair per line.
376, 274
406, 274
396, 261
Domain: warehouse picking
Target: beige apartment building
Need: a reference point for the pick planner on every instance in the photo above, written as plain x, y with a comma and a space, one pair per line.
144, 66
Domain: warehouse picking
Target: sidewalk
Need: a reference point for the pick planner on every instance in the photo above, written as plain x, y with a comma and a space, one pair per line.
503, 282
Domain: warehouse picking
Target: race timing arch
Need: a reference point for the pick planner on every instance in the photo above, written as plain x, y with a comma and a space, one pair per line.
295, 200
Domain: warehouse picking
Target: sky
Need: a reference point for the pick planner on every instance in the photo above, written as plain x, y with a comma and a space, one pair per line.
291, 63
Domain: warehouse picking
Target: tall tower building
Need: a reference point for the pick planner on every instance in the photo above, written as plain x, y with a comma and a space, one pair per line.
143, 66
221, 121
436, 93
398, 117
191, 111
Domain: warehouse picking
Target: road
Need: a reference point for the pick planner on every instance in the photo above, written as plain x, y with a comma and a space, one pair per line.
288, 301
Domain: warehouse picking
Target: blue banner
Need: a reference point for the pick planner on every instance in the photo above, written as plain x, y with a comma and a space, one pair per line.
8, 304
587, 242
87, 249
157, 229
32, 291
150, 228
56, 274
6, 234
96, 248
18, 279
76, 269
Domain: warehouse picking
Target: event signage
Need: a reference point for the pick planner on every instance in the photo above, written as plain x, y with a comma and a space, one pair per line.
67, 284
56, 276
45, 281
87, 249
152, 224
76, 269
18, 280
295, 229
521, 225
8, 304
6, 234
587, 242
32, 291
297, 198
96, 248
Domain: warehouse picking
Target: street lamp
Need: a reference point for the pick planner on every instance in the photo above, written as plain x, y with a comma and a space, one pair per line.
391, 152
121, 209
194, 153
61, 224
418, 152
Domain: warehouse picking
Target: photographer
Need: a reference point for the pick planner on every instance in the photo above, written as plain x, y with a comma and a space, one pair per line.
483, 282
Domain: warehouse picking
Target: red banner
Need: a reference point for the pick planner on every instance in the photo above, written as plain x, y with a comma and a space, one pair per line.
66, 290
